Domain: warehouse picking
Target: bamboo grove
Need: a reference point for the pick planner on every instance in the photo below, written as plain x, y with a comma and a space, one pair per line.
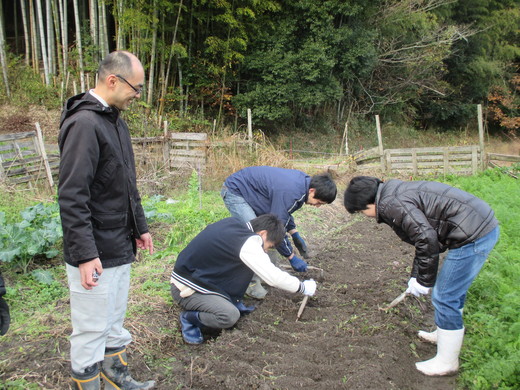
426, 61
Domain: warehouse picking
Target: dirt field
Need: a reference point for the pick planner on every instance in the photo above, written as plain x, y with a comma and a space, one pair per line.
342, 341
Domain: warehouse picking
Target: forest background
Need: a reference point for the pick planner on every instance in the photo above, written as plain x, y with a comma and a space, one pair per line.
297, 64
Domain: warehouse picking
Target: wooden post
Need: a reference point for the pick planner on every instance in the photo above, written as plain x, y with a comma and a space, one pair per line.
345, 137
388, 159
474, 160
446, 158
481, 137
380, 142
414, 161
43, 154
166, 146
249, 128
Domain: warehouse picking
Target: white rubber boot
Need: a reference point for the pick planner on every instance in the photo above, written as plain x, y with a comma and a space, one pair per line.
429, 337
446, 361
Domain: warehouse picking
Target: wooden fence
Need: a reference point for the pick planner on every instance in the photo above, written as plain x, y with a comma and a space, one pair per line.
24, 158
173, 151
445, 160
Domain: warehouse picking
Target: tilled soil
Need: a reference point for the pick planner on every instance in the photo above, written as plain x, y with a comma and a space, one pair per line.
342, 340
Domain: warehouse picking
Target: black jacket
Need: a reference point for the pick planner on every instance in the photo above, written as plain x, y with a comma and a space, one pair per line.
211, 263
433, 217
100, 207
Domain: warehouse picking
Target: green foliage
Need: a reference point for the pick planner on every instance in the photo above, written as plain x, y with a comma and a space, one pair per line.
492, 312
192, 213
36, 234
26, 86
34, 301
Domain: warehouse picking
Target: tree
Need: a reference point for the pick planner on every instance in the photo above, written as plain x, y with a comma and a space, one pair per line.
3, 56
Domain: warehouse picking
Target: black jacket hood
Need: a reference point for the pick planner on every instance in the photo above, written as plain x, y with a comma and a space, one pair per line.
85, 101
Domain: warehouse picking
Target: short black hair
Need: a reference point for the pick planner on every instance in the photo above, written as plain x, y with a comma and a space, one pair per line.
117, 62
324, 187
272, 224
361, 192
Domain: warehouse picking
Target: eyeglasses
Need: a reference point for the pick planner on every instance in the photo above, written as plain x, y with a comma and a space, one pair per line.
137, 90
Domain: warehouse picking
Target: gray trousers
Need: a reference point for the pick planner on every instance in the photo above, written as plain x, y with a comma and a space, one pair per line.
97, 315
214, 311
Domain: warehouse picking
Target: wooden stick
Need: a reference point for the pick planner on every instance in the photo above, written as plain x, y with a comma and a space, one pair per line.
302, 307
395, 302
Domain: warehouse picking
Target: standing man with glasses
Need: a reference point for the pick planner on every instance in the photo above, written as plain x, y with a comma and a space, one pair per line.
103, 222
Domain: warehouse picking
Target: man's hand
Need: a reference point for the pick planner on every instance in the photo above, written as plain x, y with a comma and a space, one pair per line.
416, 289
309, 287
90, 273
298, 264
300, 244
5, 318
145, 242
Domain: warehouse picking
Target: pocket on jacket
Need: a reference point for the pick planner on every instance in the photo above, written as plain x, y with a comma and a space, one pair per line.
110, 220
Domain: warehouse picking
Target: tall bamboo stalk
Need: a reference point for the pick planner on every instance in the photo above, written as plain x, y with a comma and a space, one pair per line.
43, 43
78, 43
3, 57
170, 56
94, 26
64, 36
103, 35
26, 32
151, 76
51, 53
34, 39
57, 39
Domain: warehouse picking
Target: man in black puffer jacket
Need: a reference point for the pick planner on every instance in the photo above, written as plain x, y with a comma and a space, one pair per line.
434, 217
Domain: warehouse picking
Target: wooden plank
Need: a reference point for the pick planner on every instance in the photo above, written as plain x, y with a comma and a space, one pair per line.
503, 157
446, 162
43, 153
188, 144
432, 150
16, 154
23, 145
439, 165
184, 152
189, 136
21, 161
15, 136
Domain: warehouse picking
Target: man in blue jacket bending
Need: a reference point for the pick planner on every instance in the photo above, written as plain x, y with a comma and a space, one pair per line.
254, 191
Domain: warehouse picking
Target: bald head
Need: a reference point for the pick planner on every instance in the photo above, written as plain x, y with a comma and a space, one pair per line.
118, 62
120, 79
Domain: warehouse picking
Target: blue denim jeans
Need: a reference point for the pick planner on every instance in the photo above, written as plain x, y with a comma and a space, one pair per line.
461, 266
237, 206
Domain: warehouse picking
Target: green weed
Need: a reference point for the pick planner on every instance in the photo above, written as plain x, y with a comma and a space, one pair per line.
492, 312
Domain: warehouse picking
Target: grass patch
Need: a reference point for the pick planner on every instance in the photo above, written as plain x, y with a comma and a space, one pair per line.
492, 313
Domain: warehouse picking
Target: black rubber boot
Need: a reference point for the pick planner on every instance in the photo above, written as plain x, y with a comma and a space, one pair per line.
115, 372
89, 380
191, 327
